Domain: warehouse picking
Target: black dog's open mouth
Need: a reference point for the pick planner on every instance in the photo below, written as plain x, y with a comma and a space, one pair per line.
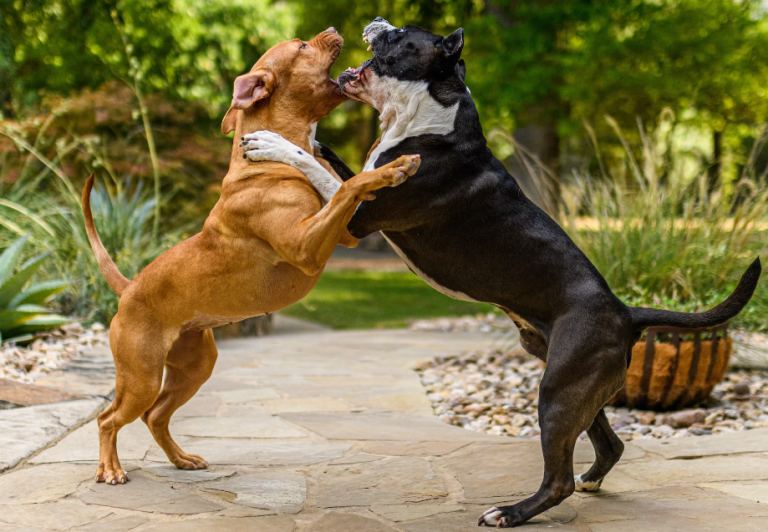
354, 77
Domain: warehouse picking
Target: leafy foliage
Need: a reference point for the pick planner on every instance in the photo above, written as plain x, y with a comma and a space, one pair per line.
122, 215
21, 310
97, 131
193, 49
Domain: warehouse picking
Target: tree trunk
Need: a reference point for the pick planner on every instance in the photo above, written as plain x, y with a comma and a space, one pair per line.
6, 102
715, 168
536, 164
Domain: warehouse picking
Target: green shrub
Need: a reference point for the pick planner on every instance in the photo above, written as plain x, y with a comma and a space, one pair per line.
123, 218
21, 310
95, 130
666, 236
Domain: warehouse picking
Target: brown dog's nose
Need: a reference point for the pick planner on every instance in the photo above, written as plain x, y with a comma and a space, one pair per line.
332, 30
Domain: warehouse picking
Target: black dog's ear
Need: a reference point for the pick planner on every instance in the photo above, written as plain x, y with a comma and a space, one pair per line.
453, 44
461, 70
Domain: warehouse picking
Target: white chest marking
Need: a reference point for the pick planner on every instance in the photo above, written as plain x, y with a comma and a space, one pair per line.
427, 279
408, 110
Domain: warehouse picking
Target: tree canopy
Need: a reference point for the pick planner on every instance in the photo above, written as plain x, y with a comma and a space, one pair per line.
551, 64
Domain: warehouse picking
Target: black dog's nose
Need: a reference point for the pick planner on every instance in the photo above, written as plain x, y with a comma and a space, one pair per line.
379, 19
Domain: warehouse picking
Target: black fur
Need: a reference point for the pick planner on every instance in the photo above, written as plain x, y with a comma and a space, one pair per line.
465, 222
339, 166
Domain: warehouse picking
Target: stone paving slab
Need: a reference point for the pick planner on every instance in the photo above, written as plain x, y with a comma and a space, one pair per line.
257, 452
412, 512
753, 491
22, 394
258, 524
59, 515
398, 481
284, 492
121, 524
751, 441
385, 426
711, 469
673, 510
82, 445
91, 372
332, 432
336, 521
146, 495
43, 484
236, 427
171, 473
23, 431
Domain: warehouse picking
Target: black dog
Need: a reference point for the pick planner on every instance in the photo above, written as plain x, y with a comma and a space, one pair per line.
464, 226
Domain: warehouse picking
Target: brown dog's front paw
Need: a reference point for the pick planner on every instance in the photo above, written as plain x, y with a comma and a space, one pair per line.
400, 169
406, 166
189, 461
111, 476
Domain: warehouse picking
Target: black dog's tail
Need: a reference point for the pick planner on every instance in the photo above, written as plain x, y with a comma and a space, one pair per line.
649, 317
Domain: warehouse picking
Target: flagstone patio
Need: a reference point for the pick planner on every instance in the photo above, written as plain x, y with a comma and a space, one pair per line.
332, 432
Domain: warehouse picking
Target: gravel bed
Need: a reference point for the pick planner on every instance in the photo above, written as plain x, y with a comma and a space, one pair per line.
498, 392
25, 364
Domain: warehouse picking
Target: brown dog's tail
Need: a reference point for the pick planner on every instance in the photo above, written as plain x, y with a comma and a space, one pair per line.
117, 282
650, 317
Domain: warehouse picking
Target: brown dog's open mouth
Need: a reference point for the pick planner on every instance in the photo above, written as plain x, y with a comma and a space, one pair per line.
336, 53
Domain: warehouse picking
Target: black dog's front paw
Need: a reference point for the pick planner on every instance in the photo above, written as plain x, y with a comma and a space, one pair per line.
492, 517
499, 517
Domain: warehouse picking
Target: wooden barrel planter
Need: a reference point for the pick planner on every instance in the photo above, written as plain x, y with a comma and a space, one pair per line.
675, 368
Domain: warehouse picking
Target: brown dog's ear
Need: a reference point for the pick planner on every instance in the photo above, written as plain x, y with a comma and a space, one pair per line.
249, 89
230, 121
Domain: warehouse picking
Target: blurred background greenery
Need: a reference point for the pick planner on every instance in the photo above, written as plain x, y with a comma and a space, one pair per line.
639, 124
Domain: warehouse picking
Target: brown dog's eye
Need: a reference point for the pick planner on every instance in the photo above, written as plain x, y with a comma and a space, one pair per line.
303, 45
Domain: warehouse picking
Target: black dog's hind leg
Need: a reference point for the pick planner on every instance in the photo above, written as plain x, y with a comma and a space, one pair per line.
585, 366
608, 451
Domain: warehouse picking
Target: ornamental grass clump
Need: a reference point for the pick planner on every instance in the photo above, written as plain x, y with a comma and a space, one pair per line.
666, 235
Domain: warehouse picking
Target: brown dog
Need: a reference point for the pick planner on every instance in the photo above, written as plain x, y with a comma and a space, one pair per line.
262, 248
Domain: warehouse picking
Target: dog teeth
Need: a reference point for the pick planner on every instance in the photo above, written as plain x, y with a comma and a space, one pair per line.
370, 47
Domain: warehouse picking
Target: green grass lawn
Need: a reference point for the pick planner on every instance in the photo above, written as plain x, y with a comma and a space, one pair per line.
353, 299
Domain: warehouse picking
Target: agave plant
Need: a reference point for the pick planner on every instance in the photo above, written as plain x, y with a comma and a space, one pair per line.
21, 309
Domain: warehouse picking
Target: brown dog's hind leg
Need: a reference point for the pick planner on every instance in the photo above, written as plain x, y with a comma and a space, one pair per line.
139, 366
188, 365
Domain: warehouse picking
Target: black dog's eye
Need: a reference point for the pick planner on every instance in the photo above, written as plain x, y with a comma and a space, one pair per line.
390, 60
410, 45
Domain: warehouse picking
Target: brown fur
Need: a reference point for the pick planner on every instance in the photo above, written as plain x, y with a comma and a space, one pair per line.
263, 247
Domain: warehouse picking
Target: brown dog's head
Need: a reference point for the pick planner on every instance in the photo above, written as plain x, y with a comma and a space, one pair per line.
294, 75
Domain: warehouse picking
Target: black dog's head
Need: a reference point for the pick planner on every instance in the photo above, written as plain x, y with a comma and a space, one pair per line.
400, 56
